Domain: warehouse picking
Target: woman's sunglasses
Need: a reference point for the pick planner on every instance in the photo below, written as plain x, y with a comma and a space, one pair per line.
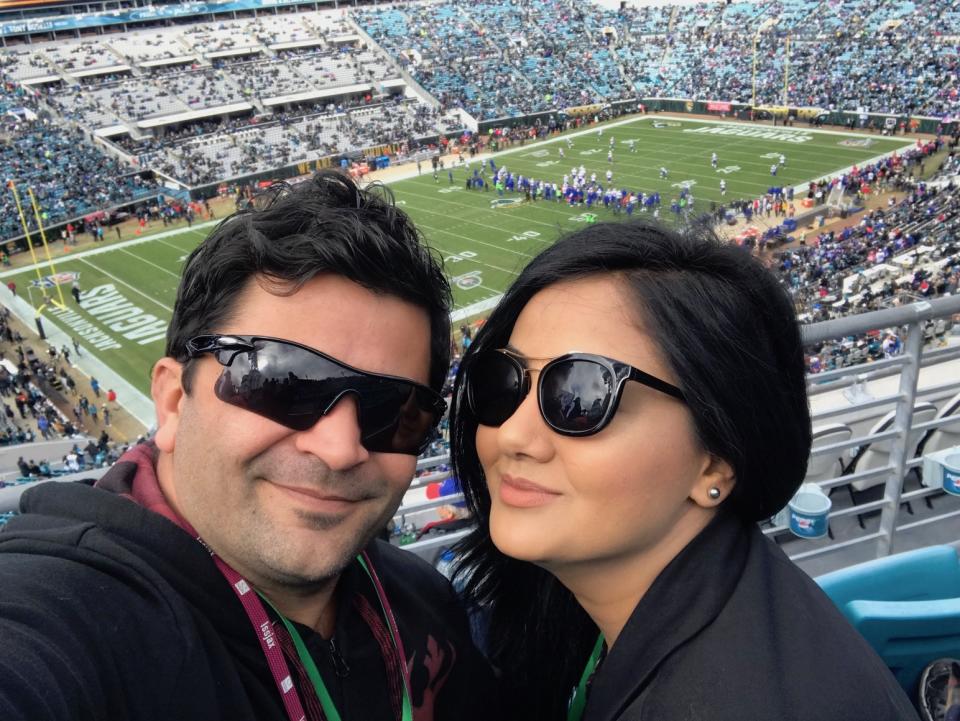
296, 386
578, 393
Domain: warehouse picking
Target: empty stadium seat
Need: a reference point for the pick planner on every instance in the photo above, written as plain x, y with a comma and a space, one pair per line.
938, 439
877, 455
826, 466
907, 606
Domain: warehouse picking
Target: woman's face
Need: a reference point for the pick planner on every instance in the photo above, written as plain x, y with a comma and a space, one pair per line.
618, 494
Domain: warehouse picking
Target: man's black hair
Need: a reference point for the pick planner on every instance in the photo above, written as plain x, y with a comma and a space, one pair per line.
294, 232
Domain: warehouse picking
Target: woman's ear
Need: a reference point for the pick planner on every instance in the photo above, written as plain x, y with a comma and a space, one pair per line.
166, 387
715, 483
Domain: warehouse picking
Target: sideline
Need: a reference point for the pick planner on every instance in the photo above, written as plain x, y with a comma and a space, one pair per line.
134, 401
108, 248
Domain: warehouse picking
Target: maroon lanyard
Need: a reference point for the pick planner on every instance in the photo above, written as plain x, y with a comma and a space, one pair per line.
263, 627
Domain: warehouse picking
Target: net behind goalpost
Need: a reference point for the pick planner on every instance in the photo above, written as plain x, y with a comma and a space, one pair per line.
837, 202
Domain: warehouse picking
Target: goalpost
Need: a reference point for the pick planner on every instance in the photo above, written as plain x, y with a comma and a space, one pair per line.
43, 237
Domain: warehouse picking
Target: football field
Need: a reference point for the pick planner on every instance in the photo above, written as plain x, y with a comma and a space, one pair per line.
484, 238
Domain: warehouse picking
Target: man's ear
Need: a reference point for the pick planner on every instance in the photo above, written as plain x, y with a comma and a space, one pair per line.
166, 387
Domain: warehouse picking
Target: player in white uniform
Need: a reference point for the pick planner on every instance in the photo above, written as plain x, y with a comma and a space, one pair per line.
714, 161
723, 187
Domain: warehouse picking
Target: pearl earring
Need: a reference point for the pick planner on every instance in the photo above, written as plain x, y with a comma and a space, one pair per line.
714, 493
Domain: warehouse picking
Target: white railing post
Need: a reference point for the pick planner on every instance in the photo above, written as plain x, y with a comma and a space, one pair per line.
899, 452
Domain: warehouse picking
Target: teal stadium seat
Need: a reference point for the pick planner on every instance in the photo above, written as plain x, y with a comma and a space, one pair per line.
907, 606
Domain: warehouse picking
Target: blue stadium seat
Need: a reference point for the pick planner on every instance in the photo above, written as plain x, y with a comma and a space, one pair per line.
907, 606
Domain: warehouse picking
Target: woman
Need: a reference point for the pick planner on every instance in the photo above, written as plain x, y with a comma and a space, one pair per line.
631, 409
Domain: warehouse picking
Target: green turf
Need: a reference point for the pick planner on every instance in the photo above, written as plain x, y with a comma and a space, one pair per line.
483, 246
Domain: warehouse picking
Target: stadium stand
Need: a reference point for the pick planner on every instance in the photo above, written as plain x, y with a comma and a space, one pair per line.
203, 102
700, 51
69, 175
28, 414
193, 100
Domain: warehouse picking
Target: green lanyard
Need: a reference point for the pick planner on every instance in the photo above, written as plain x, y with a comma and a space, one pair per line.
579, 700
329, 709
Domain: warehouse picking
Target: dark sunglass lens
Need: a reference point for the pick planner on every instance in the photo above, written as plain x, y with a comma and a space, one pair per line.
494, 387
575, 394
295, 387
395, 417
282, 382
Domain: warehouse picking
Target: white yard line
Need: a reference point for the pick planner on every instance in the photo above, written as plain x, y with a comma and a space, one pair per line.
150, 262
131, 287
108, 248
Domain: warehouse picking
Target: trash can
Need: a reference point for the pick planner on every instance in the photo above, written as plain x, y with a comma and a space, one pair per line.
951, 474
809, 509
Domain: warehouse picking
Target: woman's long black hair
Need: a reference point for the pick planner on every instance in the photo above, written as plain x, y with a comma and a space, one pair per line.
729, 332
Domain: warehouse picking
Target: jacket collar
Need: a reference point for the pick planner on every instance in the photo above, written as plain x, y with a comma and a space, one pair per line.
685, 598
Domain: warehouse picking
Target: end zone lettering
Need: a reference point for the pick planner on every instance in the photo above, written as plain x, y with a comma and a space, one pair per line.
787, 136
116, 312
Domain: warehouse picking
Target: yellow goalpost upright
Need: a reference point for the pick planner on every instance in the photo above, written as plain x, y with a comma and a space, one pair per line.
33, 255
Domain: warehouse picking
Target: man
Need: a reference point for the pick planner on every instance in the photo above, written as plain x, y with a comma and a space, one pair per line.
228, 570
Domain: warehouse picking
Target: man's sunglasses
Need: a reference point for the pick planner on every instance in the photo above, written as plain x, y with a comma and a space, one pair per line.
296, 386
578, 393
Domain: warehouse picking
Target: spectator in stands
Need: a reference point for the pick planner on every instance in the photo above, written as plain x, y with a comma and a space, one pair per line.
286, 504
618, 520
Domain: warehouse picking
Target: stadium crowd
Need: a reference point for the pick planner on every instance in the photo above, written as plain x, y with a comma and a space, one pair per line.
899, 254
41, 401
241, 147
69, 175
489, 58
497, 58
22, 378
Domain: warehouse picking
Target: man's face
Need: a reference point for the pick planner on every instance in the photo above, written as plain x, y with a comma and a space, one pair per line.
290, 508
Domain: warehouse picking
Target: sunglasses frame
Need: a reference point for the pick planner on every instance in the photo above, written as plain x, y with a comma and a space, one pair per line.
215, 343
620, 371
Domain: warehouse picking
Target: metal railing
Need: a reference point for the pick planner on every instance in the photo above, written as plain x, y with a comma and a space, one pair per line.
909, 366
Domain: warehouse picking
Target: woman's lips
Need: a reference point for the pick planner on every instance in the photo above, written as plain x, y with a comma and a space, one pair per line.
524, 493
